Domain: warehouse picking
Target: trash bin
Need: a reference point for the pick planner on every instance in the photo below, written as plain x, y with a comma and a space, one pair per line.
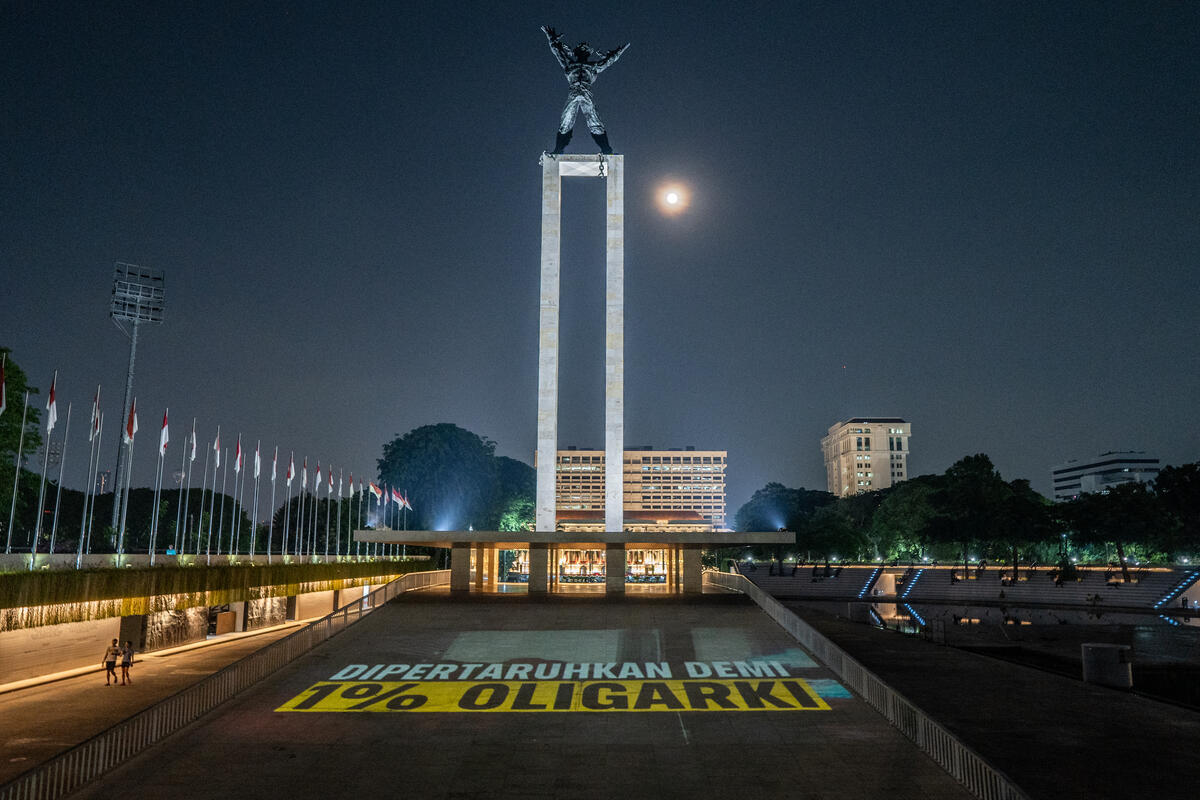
1108, 665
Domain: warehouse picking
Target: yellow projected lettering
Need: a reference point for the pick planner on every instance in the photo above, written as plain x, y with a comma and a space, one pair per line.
788, 694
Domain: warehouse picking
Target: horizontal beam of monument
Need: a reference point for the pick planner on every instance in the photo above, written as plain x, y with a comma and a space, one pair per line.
519, 539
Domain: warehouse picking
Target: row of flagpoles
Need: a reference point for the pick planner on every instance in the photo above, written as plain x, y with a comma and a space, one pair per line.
304, 543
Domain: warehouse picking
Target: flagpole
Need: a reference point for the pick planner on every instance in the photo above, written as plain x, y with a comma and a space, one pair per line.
254, 517
301, 535
239, 488
203, 488
212, 501
12, 511
187, 494
358, 549
125, 502
62, 462
179, 497
221, 523
89, 488
95, 477
158, 473
312, 531
37, 528
271, 524
328, 506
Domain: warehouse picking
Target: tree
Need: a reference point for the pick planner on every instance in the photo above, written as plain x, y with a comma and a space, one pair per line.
16, 383
1124, 515
899, 524
454, 478
967, 503
1023, 519
516, 486
828, 532
1178, 491
777, 507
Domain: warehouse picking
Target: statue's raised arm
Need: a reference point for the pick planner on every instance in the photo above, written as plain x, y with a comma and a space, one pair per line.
580, 72
611, 57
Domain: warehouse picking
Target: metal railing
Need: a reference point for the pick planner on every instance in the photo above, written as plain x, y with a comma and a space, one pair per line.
960, 761
85, 762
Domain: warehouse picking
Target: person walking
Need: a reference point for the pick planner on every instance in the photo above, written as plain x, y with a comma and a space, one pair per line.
126, 662
110, 663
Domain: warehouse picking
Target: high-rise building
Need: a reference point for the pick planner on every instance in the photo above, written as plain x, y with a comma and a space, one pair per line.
663, 488
864, 454
1094, 475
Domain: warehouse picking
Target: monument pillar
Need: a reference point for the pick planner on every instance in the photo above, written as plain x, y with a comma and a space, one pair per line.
554, 169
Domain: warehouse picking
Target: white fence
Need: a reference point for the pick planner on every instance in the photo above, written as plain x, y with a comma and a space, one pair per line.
71, 770
963, 763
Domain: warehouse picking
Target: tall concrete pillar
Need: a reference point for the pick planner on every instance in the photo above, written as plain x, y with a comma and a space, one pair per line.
547, 417
612, 169
614, 350
693, 575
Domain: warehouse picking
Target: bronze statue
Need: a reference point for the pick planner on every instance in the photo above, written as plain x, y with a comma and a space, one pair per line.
581, 73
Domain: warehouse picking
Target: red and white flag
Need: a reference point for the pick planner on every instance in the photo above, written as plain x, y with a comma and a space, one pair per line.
192, 455
351, 484
317, 480
304, 474
330, 481
275, 464
163, 436
291, 473
131, 426
397, 498
217, 451
375, 490
237, 456
3, 390
341, 485
95, 431
257, 462
407, 504
52, 406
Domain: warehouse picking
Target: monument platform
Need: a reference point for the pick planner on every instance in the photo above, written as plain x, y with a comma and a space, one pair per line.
698, 722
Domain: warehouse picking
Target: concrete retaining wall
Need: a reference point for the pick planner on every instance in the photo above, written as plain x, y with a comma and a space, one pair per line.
31, 652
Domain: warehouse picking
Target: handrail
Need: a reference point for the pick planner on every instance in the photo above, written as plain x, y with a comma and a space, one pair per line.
960, 761
89, 760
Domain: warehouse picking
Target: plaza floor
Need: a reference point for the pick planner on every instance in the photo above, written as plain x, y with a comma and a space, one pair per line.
730, 706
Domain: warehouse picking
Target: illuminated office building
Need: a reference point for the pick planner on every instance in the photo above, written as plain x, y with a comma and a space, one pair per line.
865, 454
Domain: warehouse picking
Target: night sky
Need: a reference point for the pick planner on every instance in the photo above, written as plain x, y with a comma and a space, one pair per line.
982, 217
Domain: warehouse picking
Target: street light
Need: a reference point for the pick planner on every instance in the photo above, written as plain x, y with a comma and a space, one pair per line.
138, 298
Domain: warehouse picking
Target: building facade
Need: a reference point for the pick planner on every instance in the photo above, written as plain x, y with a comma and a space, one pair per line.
663, 489
865, 454
1094, 475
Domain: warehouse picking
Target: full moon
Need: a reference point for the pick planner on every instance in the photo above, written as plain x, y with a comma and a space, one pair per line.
672, 197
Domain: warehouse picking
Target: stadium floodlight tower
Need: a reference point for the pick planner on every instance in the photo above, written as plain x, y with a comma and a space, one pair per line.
138, 298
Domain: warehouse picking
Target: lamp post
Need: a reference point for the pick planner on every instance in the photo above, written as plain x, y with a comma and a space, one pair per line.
138, 297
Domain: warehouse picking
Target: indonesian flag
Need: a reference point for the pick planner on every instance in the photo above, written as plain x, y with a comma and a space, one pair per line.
164, 436
95, 431
317, 480
330, 480
407, 504
351, 484
341, 486
131, 426
3, 393
192, 454
257, 462
52, 406
397, 498
275, 464
217, 450
304, 474
375, 490
237, 456
291, 473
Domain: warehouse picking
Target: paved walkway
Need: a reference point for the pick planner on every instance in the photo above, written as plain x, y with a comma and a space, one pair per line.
1056, 737
468, 709
40, 721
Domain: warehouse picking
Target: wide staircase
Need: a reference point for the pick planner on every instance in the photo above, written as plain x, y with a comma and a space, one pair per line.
813, 582
1149, 589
